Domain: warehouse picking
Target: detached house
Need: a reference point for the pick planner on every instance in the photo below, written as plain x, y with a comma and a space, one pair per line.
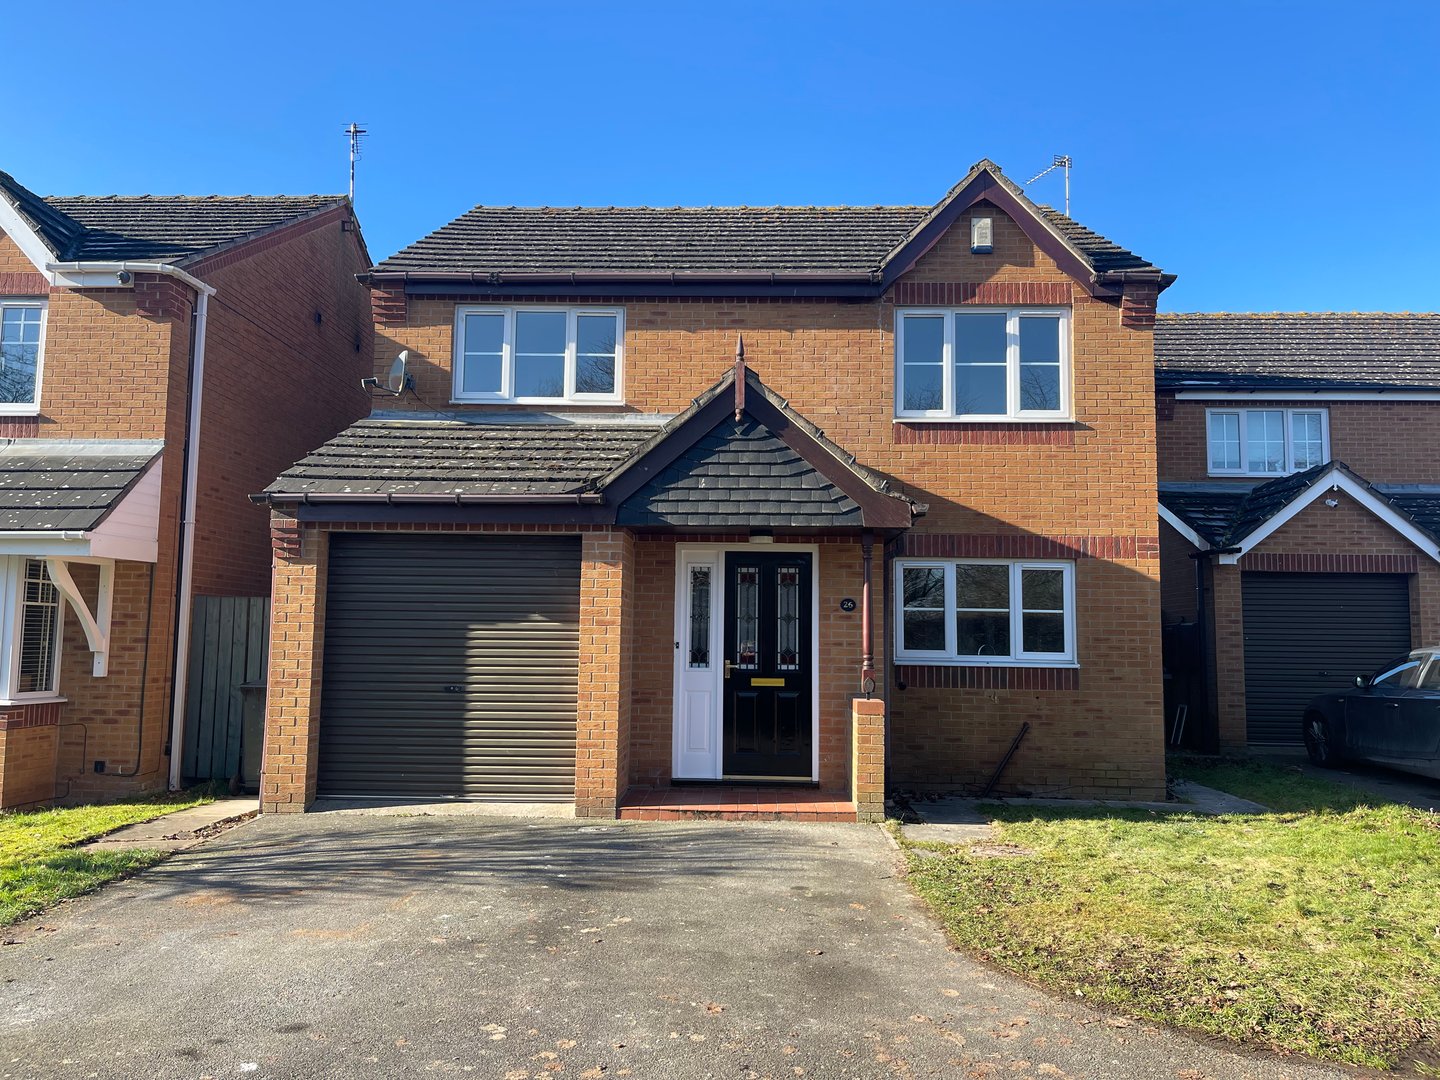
160, 358
1300, 508
583, 551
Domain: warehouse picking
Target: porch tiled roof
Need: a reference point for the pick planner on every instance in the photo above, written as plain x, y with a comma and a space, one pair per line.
453, 457
738, 473
65, 485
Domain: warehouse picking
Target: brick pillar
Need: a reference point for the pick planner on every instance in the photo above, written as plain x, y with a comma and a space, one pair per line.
297, 643
867, 765
1228, 621
602, 738
29, 745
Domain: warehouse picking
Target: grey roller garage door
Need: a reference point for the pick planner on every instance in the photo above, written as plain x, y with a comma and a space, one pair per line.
1306, 634
450, 667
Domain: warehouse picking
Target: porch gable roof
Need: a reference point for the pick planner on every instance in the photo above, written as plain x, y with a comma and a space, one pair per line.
1231, 521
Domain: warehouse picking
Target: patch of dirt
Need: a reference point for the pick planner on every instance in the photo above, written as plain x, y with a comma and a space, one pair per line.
998, 850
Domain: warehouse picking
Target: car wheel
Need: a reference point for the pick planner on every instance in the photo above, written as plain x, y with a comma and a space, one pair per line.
1320, 741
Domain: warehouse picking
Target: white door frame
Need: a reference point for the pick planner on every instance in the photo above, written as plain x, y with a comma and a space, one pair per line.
698, 707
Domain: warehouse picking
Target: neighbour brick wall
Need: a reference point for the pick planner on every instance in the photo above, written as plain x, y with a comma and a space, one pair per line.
1396, 442
28, 737
277, 383
292, 702
101, 718
1177, 577
834, 362
1355, 541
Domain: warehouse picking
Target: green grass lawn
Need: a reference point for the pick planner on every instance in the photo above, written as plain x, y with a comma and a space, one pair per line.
40, 865
1316, 928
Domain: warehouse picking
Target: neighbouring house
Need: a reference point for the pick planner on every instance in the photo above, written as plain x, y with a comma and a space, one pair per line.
1300, 508
160, 358
582, 552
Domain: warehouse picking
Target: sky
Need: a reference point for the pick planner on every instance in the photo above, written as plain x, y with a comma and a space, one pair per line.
1275, 156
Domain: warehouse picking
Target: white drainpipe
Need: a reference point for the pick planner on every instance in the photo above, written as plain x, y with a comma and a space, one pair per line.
82, 273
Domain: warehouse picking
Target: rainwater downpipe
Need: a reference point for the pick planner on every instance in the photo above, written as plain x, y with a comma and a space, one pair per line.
190, 454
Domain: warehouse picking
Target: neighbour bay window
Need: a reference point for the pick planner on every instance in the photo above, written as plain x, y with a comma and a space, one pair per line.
985, 611
983, 364
1266, 442
30, 632
21, 332
538, 355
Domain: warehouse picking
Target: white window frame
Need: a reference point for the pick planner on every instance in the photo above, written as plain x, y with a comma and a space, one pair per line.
12, 633
506, 394
29, 408
1244, 414
1013, 411
1018, 657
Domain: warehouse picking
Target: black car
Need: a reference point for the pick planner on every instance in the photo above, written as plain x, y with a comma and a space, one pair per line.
1392, 717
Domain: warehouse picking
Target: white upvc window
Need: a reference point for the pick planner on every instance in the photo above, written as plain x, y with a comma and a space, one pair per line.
1266, 442
22, 347
985, 611
30, 656
538, 355
982, 363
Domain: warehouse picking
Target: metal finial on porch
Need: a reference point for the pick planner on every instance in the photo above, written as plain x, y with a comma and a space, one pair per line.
739, 376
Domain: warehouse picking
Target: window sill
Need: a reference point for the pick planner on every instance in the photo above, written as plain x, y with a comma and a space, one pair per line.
19, 410
940, 661
38, 699
983, 421
545, 403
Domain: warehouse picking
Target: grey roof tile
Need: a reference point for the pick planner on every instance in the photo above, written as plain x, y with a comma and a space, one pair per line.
706, 240
453, 457
52, 485
160, 228
1283, 350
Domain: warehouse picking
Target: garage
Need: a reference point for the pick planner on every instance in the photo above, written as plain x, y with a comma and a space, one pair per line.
451, 666
1306, 634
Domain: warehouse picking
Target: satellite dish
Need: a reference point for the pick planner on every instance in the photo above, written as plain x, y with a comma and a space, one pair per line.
398, 379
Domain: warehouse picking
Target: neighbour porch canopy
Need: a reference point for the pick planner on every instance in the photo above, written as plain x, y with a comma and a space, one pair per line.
738, 458
69, 501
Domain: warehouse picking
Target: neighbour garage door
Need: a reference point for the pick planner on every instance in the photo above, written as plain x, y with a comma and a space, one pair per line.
450, 667
1309, 633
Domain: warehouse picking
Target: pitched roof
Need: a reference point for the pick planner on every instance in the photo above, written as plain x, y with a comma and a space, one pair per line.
455, 458
157, 228
773, 468
1281, 350
820, 241
63, 485
1225, 515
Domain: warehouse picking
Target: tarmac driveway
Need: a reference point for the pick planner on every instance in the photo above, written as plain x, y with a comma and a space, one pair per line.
342, 946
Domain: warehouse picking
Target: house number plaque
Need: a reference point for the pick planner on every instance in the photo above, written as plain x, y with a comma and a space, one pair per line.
847, 604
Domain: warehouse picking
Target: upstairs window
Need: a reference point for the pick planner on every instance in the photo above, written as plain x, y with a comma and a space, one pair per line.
983, 364
1266, 442
538, 355
21, 332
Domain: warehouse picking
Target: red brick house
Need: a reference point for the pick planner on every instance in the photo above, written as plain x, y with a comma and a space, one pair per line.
581, 552
1300, 511
160, 358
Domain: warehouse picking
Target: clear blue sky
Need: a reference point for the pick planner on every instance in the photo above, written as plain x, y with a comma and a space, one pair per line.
1274, 155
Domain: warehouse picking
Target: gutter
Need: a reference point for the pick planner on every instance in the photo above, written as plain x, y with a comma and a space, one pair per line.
191, 454
585, 498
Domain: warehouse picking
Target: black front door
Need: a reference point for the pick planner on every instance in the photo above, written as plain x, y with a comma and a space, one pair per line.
768, 666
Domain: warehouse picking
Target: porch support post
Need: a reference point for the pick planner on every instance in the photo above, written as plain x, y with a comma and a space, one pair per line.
867, 766
867, 644
297, 645
602, 736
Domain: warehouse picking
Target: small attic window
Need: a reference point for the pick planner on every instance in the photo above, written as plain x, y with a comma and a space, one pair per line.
982, 235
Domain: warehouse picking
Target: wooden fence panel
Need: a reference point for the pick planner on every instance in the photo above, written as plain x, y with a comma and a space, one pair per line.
229, 640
